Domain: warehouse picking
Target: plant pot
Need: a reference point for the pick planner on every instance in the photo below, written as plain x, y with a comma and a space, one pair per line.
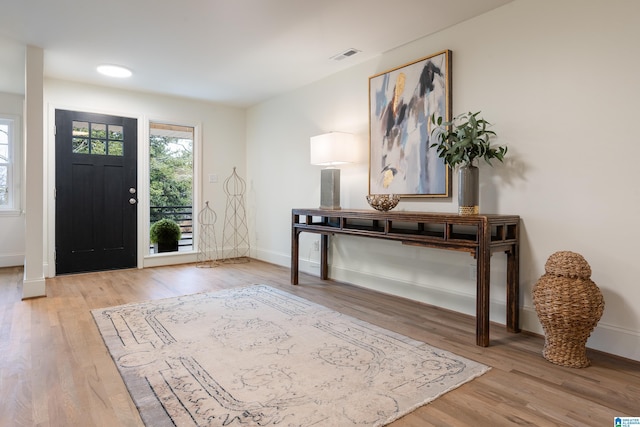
165, 247
468, 190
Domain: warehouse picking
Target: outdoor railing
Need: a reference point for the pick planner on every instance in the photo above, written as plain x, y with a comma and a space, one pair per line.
183, 215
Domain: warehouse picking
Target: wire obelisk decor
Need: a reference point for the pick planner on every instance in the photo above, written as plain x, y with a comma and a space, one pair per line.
235, 234
207, 243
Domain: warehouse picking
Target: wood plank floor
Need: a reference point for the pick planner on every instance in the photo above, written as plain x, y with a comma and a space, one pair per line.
56, 371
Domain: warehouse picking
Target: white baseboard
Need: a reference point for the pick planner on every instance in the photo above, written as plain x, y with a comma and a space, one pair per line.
169, 258
11, 260
455, 301
606, 338
273, 257
614, 340
33, 288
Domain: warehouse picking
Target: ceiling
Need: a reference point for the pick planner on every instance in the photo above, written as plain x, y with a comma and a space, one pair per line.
235, 52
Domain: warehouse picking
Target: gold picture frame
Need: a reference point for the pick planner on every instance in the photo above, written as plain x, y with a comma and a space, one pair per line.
401, 102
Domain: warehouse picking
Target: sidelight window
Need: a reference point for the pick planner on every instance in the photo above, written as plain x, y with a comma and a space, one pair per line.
171, 180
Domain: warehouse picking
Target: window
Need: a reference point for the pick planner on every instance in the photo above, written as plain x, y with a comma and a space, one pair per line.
97, 139
9, 164
171, 179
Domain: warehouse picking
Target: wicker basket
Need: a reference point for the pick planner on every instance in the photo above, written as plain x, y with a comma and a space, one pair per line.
569, 306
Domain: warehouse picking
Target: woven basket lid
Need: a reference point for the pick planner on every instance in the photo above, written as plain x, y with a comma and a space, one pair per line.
568, 264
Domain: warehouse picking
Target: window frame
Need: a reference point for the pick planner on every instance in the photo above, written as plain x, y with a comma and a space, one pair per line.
195, 183
13, 165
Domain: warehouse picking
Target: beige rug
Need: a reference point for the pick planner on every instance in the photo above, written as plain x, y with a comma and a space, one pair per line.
257, 356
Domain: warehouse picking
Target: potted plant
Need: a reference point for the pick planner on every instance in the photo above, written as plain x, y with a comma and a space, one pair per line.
165, 235
460, 142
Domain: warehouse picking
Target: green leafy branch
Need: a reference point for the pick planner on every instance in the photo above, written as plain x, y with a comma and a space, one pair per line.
464, 139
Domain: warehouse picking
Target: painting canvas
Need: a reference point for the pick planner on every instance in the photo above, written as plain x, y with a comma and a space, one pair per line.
401, 102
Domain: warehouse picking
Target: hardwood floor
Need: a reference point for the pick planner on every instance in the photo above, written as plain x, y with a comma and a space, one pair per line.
56, 371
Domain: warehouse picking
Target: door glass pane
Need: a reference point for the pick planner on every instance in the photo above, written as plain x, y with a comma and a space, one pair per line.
116, 137
171, 180
80, 145
80, 129
98, 130
115, 132
115, 148
4, 152
98, 147
98, 139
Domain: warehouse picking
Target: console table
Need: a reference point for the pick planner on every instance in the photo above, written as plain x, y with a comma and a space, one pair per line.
480, 235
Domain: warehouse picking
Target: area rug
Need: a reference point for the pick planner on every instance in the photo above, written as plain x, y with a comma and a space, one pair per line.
258, 356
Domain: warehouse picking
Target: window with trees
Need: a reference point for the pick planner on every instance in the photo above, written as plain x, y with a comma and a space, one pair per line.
171, 177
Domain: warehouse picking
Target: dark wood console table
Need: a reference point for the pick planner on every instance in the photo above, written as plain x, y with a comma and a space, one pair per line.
480, 235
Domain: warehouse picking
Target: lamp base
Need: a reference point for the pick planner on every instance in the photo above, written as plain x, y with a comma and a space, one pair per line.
330, 189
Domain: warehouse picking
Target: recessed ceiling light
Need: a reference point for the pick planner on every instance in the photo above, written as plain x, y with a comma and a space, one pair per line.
114, 71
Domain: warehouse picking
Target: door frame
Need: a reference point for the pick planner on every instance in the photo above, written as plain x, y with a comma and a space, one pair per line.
143, 257
50, 181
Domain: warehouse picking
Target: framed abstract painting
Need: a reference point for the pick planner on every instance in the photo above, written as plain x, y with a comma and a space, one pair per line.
401, 102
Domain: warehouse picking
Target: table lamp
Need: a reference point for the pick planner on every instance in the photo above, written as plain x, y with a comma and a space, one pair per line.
331, 149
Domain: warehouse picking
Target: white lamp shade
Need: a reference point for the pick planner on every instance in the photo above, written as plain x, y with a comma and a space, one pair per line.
333, 148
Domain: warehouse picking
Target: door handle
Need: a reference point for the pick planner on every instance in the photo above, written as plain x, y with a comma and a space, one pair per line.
132, 201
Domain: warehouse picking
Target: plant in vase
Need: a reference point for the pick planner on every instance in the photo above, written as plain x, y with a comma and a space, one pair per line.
165, 234
460, 142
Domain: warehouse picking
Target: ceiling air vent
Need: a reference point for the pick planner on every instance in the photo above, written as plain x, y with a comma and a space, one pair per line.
346, 54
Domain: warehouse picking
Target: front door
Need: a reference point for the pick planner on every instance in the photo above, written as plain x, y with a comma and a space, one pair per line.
95, 193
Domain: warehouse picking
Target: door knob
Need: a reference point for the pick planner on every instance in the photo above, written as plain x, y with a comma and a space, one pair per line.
132, 201
132, 190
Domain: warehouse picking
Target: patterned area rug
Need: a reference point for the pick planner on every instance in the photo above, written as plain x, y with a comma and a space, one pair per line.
257, 356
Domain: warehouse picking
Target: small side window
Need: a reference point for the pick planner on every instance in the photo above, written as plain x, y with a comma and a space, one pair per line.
171, 180
9, 173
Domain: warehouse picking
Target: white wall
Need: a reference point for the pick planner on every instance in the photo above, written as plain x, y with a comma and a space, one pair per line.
559, 79
12, 223
222, 135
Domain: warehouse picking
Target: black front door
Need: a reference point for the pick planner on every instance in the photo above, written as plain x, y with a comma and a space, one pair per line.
95, 193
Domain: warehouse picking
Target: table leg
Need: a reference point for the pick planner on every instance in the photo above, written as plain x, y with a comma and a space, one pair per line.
513, 290
483, 282
324, 250
482, 301
295, 234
